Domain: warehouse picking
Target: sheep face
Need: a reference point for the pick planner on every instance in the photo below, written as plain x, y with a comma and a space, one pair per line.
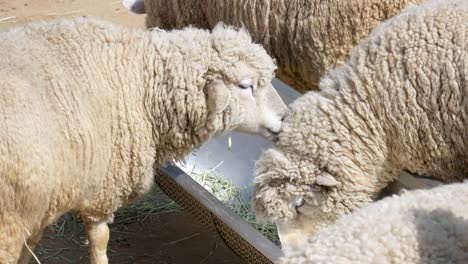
253, 108
294, 194
262, 110
242, 85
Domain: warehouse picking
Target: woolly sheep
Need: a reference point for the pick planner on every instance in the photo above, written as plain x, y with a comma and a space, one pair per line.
400, 103
89, 108
422, 226
307, 38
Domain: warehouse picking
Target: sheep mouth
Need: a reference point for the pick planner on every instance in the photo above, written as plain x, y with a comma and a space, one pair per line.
270, 134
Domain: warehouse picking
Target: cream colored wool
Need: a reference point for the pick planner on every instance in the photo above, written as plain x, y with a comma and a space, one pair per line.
306, 37
421, 226
89, 108
400, 103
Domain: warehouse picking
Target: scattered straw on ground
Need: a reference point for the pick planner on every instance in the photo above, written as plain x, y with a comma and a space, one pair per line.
70, 227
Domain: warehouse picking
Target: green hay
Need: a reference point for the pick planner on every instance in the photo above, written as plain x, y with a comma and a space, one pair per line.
231, 196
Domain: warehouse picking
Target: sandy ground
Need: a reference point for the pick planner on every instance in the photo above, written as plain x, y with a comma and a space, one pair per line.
23, 11
158, 238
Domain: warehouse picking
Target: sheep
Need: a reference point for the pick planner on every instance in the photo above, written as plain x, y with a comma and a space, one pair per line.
399, 104
421, 226
89, 108
307, 37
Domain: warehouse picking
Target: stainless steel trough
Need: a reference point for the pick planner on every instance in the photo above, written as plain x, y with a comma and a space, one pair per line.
240, 236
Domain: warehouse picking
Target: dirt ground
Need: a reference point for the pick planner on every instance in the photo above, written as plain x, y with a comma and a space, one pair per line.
164, 236
153, 230
23, 11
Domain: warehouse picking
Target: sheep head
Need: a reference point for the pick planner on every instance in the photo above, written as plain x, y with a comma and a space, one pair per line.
219, 80
240, 84
294, 194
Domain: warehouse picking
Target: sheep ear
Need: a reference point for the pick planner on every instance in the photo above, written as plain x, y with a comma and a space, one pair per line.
326, 179
218, 96
135, 6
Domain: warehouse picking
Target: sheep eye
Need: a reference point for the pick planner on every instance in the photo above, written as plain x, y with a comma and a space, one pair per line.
246, 83
298, 202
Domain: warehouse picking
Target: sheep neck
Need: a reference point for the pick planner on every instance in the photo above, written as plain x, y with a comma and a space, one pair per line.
176, 103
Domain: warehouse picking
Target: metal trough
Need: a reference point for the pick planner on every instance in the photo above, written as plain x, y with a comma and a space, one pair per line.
240, 236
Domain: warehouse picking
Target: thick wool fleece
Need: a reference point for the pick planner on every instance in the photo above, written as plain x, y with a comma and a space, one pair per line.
307, 37
422, 226
400, 103
88, 108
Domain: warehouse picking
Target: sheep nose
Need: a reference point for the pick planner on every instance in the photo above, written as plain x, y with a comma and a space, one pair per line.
283, 115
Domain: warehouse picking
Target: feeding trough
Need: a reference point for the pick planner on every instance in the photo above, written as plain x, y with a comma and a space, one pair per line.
241, 237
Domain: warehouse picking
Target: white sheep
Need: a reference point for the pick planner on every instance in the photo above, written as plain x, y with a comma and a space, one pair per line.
400, 103
307, 38
89, 108
421, 226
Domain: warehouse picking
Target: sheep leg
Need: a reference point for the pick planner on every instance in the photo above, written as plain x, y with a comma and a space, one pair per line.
98, 236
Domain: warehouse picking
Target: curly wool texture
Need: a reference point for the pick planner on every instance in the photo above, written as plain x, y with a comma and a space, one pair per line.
400, 103
422, 226
307, 37
88, 108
